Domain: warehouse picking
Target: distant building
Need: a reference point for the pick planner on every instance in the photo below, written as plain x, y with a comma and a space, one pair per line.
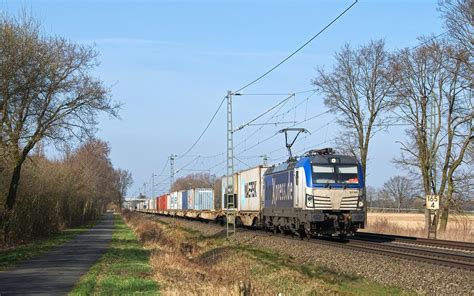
133, 204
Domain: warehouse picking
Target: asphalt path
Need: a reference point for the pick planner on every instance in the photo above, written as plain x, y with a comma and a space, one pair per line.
56, 272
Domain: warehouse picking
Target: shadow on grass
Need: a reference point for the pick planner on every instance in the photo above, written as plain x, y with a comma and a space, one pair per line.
218, 236
277, 261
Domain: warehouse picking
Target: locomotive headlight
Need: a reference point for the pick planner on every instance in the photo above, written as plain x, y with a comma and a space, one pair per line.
361, 204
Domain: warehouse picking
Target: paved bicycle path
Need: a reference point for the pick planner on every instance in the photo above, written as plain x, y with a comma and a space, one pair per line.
56, 272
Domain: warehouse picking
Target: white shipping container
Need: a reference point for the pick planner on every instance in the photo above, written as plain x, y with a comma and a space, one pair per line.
224, 191
191, 199
173, 201
180, 200
250, 189
168, 201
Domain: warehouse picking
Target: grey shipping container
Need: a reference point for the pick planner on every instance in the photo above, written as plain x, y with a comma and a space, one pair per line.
203, 199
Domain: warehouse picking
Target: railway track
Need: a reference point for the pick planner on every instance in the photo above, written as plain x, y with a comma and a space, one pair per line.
419, 253
433, 243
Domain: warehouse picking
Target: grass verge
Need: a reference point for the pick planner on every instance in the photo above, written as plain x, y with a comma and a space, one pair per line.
17, 254
190, 263
124, 268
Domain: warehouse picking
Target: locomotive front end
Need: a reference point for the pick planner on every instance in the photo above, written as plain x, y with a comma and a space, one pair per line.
334, 194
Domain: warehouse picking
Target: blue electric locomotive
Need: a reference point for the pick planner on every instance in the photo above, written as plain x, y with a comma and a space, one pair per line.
320, 193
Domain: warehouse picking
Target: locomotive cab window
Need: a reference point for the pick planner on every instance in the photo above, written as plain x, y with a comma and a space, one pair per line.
340, 174
323, 174
347, 174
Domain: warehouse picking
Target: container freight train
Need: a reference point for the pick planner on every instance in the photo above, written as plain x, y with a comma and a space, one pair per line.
320, 193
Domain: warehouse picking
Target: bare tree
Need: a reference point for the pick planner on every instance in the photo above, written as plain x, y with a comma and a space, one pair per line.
46, 93
458, 21
198, 180
358, 90
434, 99
371, 195
401, 189
125, 180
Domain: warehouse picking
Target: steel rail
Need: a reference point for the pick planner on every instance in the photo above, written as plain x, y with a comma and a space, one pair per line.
465, 246
403, 253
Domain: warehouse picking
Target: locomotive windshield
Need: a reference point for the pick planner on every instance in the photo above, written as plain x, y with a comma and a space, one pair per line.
340, 174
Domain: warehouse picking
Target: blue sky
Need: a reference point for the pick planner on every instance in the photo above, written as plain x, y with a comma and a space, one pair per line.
171, 62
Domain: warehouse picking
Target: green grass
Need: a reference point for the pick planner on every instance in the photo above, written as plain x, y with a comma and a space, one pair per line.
9, 258
338, 283
124, 268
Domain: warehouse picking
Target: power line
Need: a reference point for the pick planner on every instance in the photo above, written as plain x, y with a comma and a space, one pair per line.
277, 114
271, 123
204, 131
263, 114
296, 51
268, 138
248, 166
429, 40
276, 94
164, 167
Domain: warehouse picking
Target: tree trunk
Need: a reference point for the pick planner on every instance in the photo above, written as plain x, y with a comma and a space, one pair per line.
13, 189
11, 198
443, 222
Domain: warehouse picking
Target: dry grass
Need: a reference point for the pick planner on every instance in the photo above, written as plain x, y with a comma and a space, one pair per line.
186, 262
182, 265
460, 228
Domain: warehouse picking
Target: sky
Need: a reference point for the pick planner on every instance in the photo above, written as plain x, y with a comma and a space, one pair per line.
170, 63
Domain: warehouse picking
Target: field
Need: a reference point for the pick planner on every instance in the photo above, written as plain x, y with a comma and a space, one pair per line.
460, 228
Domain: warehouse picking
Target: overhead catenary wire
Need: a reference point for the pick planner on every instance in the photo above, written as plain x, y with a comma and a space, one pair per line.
268, 138
164, 167
275, 115
204, 131
263, 114
299, 49
248, 166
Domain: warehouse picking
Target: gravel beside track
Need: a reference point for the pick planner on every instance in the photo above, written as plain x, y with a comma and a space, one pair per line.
422, 278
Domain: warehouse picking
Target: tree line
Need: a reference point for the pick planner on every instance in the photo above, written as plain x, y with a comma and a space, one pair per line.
49, 98
427, 89
402, 192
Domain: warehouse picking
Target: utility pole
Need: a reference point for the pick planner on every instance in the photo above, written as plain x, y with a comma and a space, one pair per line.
265, 160
153, 185
144, 189
230, 197
171, 158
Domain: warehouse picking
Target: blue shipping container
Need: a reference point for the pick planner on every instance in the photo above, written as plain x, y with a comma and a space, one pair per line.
184, 196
